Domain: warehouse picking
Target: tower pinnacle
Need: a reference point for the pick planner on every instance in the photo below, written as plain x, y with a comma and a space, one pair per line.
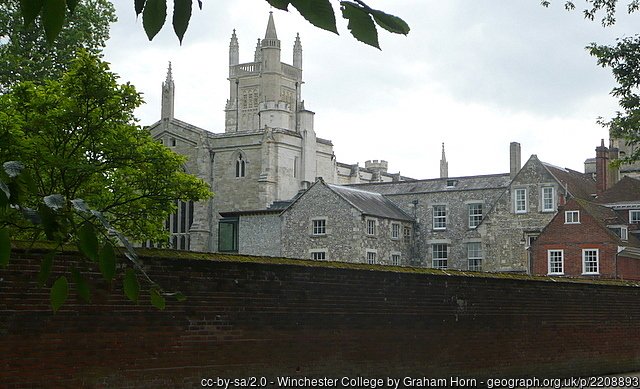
167, 95
297, 53
270, 36
234, 50
444, 165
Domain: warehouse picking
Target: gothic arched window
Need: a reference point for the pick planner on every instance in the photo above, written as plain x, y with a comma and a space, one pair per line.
240, 166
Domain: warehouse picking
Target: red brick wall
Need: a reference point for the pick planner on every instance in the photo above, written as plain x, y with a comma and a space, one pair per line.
629, 268
572, 238
257, 319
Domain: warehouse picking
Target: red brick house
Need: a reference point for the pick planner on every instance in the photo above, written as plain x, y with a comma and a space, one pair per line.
585, 239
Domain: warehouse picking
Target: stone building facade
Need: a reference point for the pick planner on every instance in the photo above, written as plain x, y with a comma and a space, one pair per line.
484, 223
268, 152
275, 181
331, 222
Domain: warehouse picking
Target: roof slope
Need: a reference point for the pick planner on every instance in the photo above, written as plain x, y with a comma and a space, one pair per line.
606, 216
579, 185
370, 203
627, 189
493, 181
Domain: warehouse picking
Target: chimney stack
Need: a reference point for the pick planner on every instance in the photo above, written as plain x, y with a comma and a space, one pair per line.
515, 160
602, 166
613, 173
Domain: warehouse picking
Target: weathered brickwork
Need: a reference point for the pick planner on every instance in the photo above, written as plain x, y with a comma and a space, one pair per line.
306, 320
584, 232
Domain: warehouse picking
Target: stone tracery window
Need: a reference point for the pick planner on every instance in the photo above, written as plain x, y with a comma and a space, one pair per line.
241, 166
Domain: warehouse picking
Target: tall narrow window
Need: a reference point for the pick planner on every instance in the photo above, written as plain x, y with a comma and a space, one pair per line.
590, 263
371, 227
395, 259
520, 200
395, 230
548, 199
439, 255
439, 217
474, 256
228, 235
556, 261
371, 257
240, 166
406, 234
475, 214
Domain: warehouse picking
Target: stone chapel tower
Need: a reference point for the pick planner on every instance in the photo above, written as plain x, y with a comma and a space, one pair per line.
268, 151
265, 92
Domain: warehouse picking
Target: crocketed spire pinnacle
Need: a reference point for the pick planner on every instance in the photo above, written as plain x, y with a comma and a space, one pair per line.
169, 79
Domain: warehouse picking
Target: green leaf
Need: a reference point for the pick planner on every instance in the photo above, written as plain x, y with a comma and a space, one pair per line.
54, 201
108, 262
45, 268
279, 4
30, 10
390, 23
153, 17
317, 12
53, 18
82, 287
59, 293
360, 24
157, 300
181, 16
131, 285
13, 168
139, 6
88, 241
180, 296
5, 247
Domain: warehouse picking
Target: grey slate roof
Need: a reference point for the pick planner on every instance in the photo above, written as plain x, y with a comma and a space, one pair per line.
370, 203
492, 181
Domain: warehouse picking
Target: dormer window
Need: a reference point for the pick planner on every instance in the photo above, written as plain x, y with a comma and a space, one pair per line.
240, 166
451, 183
621, 231
572, 217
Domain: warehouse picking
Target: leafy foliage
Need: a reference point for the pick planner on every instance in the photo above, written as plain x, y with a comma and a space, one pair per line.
78, 139
81, 146
27, 48
594, 6
624, 60
320, 13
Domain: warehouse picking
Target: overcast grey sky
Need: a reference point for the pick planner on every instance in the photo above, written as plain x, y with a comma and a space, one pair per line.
475, 75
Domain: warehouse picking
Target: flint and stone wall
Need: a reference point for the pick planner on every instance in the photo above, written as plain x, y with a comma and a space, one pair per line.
346, 239
257, 317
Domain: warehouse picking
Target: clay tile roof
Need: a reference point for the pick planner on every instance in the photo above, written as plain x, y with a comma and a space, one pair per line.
579, 185
370, 203
606, 216
627, 189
